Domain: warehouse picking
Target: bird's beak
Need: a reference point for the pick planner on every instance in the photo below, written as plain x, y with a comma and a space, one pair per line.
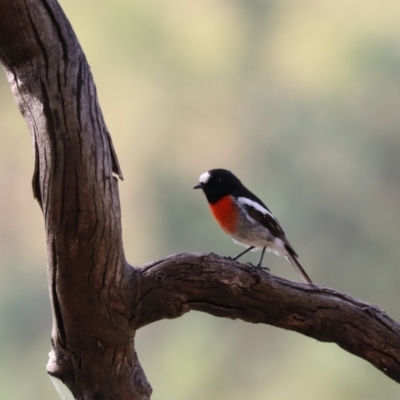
199, 186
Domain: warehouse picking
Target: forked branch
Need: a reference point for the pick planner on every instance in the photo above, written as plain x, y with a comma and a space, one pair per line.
98, 300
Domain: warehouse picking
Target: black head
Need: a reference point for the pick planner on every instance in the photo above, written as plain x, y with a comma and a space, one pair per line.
218, 183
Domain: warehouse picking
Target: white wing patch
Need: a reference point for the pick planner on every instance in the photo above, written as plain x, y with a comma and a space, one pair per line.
204, 177
255, 205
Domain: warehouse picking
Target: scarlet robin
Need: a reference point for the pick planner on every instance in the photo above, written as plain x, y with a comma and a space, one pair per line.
245, 218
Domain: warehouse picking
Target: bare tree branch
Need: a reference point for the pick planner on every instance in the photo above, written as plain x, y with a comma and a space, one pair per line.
98, 300
92, 343
171, 287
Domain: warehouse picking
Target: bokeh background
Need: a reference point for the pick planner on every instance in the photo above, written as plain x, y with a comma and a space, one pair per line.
302, 101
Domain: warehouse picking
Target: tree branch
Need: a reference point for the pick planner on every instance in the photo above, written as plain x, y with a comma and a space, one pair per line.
219, 286
98, 300
92, 344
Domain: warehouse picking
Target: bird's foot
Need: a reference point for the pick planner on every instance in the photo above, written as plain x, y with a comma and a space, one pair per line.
258, 266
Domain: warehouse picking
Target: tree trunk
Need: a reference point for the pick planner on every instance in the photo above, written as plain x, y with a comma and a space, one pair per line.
98, 299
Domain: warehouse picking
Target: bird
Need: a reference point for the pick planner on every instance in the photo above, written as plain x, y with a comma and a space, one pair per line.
245, 218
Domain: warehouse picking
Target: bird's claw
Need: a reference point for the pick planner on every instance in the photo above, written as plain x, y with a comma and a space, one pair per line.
258, 266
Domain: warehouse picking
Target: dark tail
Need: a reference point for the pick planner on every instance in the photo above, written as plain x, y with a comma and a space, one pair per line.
293, 260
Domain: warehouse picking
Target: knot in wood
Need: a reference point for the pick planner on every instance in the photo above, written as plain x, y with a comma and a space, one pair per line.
160, 278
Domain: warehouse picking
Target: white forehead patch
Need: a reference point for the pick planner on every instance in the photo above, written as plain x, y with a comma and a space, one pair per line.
204, 177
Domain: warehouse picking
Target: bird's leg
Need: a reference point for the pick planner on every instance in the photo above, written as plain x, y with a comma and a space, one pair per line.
243, 252
258, 266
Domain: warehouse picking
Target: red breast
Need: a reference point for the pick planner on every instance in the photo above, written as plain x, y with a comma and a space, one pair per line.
226, 213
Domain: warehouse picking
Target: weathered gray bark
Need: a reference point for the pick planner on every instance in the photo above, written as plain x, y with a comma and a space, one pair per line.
98, 300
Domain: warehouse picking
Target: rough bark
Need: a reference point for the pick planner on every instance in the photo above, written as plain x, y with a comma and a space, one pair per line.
98, 300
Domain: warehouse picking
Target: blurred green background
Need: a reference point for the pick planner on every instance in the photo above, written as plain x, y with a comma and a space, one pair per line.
302, 101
